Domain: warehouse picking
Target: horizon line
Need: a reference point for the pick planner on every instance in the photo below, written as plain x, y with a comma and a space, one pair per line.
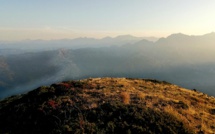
108, 36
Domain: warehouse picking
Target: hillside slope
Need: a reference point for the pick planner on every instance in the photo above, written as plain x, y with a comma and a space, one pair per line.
109, 105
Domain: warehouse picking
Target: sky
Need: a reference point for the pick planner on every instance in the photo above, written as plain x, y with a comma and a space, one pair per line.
57, 19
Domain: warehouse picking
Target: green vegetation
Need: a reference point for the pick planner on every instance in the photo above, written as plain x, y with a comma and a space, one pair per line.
107, 118
120, 118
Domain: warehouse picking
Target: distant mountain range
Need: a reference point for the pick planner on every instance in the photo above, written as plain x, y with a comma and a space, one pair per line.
184, 60
77, 43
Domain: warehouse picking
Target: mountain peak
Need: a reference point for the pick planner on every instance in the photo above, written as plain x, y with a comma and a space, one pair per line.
107, 38
177, 35
212, 34
125, 37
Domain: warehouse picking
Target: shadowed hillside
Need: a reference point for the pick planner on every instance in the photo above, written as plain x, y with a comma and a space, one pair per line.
109, 105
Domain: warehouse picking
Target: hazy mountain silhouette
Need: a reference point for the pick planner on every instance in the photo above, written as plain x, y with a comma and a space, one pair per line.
180, 59
77, 43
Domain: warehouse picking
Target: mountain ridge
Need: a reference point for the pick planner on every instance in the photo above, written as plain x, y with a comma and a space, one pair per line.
188, 63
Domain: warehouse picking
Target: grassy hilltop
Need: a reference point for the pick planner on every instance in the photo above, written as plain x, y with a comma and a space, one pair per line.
109, 105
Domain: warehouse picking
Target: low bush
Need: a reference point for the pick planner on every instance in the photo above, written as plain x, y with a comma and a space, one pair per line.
106, 118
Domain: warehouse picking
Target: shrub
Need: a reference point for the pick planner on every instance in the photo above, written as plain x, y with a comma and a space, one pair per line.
182, 105
140, 95
212, 111
120, 118
106, 118
125, 96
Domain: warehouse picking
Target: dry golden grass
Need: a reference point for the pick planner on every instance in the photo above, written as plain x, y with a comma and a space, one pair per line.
125, 96
192, 107
140, 95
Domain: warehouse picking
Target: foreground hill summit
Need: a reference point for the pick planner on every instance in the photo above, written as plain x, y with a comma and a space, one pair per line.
109, 105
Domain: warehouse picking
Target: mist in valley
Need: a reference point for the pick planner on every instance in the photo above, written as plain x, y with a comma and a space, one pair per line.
187, 61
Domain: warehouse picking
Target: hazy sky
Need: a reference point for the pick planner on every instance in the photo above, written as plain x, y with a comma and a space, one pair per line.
54, 19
